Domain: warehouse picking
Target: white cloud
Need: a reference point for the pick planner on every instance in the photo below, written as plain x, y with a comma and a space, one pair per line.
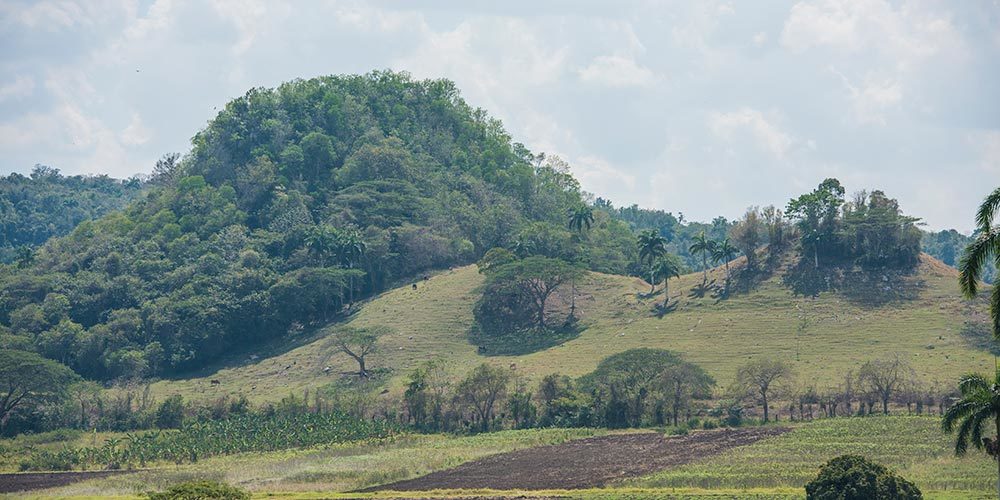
766, 135
873, 98
906, 34
760, 39
22, 86
136, 132
617, 71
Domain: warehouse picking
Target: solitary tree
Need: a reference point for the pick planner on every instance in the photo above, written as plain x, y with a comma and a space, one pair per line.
668, 266
28, 379
980, 252
758, 377
705, 247
652, 246
580, 218
535, 278
979, 406
482, 389
883, 377
358, 343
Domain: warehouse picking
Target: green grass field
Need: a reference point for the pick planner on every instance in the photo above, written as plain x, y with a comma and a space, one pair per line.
773, 468
913, 446
432, 322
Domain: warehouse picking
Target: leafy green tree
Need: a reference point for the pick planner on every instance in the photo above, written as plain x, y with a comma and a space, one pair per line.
358, 343
746, 234
816, 215
626, 382
482, 389
852, 477
683, 382
978, 254
27, 379
978, 408
652, 246
668, 266
701, 244
534, 279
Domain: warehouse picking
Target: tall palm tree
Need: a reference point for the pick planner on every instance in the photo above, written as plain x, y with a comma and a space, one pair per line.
979, 405
581, 217
652, 246
667, 267
704, 246
351, 248
321, 242
980, 252
724, 251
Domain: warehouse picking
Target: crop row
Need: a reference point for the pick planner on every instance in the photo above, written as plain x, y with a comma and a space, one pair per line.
241, 434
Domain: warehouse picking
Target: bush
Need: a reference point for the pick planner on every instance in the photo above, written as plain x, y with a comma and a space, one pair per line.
850, 477
200, 490
170, 414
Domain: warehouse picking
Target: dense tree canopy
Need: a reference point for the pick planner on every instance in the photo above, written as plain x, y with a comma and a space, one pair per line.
47, 203
293, 203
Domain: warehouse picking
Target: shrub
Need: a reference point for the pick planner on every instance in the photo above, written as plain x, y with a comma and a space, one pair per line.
850, 477
170, 414
200, 490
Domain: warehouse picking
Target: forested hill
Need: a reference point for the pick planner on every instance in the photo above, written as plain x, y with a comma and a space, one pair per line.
45, 204
293, 203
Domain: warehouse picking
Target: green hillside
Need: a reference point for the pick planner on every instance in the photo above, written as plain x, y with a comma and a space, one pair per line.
841, 333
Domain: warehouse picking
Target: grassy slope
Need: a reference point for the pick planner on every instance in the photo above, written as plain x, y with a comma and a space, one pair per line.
432, 322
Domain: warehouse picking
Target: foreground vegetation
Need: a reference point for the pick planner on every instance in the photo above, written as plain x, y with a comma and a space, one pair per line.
913, 446
337, 467
777, 467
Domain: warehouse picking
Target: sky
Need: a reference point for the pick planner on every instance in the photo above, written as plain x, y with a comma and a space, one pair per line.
700, 108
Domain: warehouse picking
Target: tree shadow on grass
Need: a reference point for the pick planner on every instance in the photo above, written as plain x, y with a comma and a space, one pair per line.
978, 335
866, 287
522, 342
660, 310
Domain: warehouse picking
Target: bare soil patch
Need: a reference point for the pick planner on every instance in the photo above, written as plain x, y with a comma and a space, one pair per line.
24, 481
585, 463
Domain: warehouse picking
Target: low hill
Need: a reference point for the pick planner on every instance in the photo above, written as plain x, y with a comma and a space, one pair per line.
920, 317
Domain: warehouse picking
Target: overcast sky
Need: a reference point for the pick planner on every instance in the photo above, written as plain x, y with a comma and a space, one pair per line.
701, 108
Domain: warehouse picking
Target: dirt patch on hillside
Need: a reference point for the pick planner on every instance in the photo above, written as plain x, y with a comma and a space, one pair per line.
25, 481
585, 463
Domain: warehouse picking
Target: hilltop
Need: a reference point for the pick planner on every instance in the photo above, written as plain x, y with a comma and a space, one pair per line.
822, 337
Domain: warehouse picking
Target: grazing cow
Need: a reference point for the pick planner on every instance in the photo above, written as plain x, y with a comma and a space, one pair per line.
513, 366
215, 382
414, 286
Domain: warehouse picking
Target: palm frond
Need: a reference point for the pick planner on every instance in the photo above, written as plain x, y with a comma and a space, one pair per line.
973, 383
995, 310
962, 440
988, 210
957, 412
974, 261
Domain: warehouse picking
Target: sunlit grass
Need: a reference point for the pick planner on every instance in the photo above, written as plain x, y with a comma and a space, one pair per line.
433, 320
913, 446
